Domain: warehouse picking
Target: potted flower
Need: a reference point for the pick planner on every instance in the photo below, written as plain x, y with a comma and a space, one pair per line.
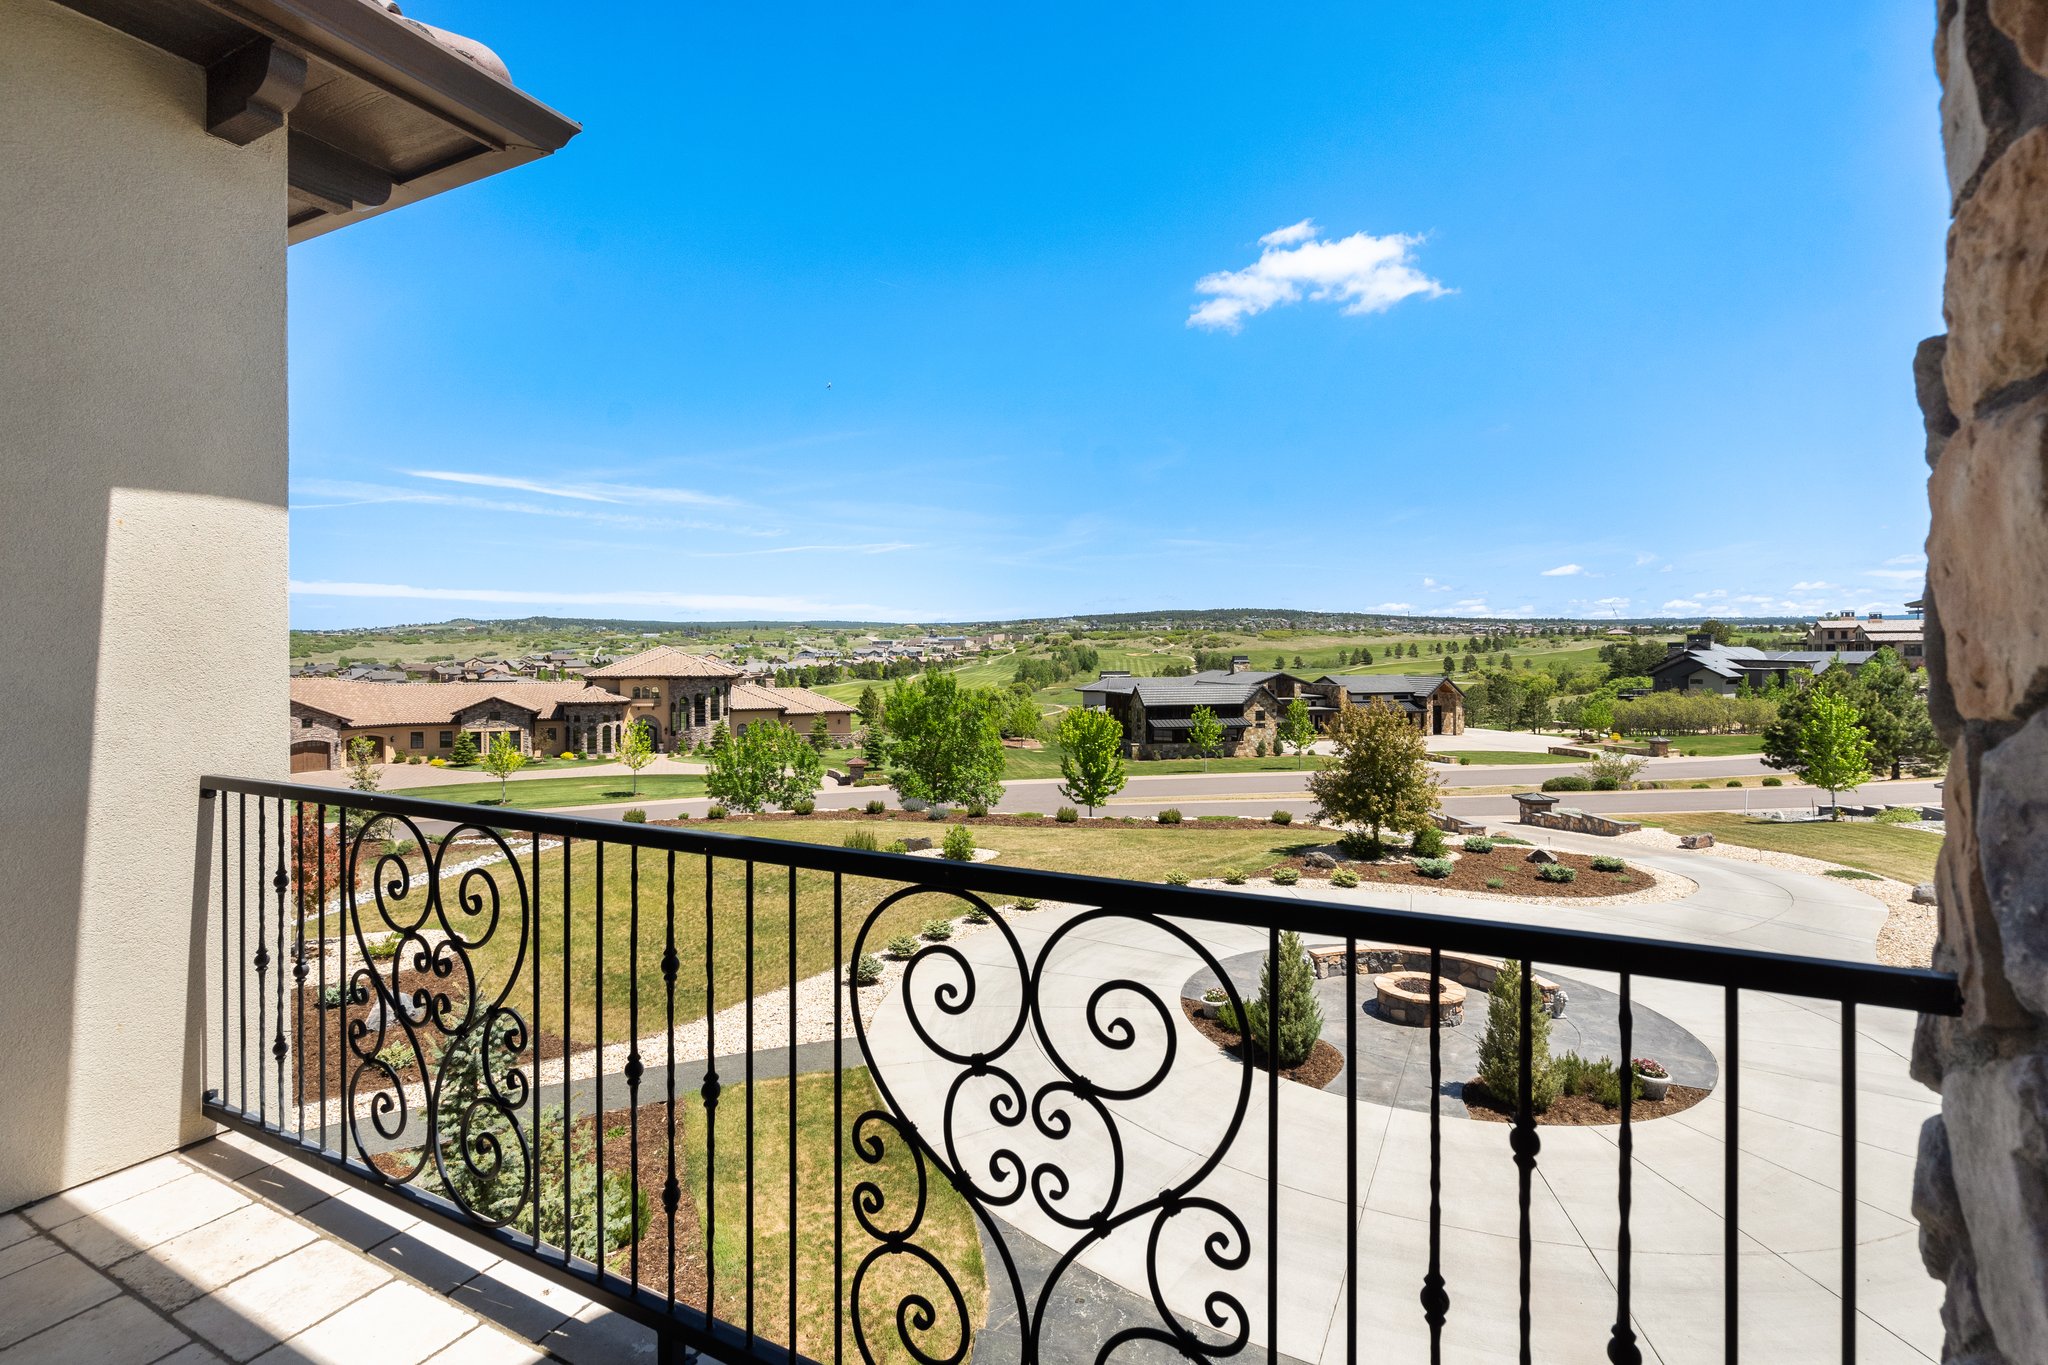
1211, 998
1654, 1078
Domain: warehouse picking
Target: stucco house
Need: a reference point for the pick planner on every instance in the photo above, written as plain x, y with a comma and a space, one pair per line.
682, 696
796, 707
422, 720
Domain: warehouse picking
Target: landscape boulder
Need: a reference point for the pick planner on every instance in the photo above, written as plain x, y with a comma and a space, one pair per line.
1541, 855
1320, 859
917, 844
1695, 841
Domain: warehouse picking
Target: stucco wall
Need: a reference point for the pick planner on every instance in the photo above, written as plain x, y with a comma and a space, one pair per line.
142, 477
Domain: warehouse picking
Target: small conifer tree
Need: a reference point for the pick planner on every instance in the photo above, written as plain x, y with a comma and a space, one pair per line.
1299, 1013
1500, 1051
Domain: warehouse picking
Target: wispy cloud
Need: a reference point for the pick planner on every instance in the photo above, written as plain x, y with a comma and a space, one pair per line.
1815, 586
1896, 575
1644, 557
1432, 585
1395, 606
622, 493
671, 601
1366, 274
881, 547
1684, 604
1914, 558
332, 494
1564, 571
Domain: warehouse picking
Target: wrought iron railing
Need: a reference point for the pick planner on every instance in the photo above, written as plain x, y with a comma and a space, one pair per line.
431, 1000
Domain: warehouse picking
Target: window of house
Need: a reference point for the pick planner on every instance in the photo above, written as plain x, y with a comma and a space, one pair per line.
417, 740
447, 739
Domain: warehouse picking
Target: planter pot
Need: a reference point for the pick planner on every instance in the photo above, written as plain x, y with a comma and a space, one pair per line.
1654, 1087
1206, 1008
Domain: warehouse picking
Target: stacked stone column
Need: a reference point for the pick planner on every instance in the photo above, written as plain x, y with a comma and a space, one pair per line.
1981, 1191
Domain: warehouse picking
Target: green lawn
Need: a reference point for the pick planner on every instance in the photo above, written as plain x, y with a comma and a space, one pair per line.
947, 1230
1020, 764
1478, 757
1717, 746
1905, 855
542, 793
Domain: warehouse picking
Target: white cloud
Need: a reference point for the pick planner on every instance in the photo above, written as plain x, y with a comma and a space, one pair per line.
1915, 558
1896, 575
344, 494
1609, 606
1684, 604
1367, 274
581, 492
674, 601
1815, 586
1563, 571
1645, 557
1434, 586
1395, 606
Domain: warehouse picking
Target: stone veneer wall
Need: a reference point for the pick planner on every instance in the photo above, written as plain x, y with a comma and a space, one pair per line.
1578, 822
1981, 1191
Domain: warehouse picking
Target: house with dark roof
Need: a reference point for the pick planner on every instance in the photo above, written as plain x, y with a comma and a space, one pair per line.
1433, 702
1156, 713
1851, 634
1700, 665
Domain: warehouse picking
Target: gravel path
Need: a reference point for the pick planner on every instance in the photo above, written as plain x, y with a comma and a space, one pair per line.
1907, 939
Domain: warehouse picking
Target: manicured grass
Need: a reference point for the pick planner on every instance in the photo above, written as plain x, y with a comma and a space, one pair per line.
1906, 855
1019, 764
1477, 757
946, 1230
544, 792
1717, 746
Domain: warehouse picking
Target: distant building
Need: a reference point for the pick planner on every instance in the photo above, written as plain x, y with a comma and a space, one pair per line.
1849, 633
1700, 665
796, 707
422, 719
682, 696
1156, 712
1432, 701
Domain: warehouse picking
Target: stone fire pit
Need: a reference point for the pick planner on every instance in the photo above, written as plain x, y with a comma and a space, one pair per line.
1404, 999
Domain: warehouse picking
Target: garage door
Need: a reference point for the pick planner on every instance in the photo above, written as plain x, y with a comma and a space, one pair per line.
309, 757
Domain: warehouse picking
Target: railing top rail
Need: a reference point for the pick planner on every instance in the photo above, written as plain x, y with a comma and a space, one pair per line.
1908, 988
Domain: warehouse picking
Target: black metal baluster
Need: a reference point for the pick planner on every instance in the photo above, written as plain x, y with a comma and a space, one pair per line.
262, 958
1622, 1348
1848, 1183
279, 1048
671, 1189
838, 1129
568, 1053
1731, 1186
342, 869
537, 1173
709, 1091
242, 950
597, 1046
750, 1097
299, 959
1436, 1303
1525, 1145
791, 1005
633, 1055
1351, 1150
220, 813
1272, 1151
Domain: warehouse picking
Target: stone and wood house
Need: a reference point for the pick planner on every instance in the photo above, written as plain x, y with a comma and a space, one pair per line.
1431, 701
1700, 665
1157, 712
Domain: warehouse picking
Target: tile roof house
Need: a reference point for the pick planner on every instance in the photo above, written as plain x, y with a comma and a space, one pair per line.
405, 720
683, 697
796, 707
1700, 665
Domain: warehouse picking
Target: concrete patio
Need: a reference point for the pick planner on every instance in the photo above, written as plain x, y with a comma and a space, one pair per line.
231, 1251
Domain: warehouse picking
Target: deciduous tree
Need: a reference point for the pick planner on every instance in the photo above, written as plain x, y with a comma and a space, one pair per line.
1819, 736
503, 760
1091, 756
1205, 734
945, 745
1297, 728
765, 764
1379, 776
636, 750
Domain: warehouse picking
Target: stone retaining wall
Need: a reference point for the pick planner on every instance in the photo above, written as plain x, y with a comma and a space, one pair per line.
1981, 1189
1578, 821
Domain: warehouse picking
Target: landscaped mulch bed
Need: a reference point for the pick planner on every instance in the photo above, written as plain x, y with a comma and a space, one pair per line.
1470, 871
316, 1024
1324, 1064
1578, 1111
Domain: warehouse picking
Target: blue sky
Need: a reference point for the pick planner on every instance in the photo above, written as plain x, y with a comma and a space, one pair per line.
954, 312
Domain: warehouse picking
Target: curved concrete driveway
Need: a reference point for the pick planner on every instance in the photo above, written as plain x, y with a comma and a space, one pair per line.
1790, 1144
